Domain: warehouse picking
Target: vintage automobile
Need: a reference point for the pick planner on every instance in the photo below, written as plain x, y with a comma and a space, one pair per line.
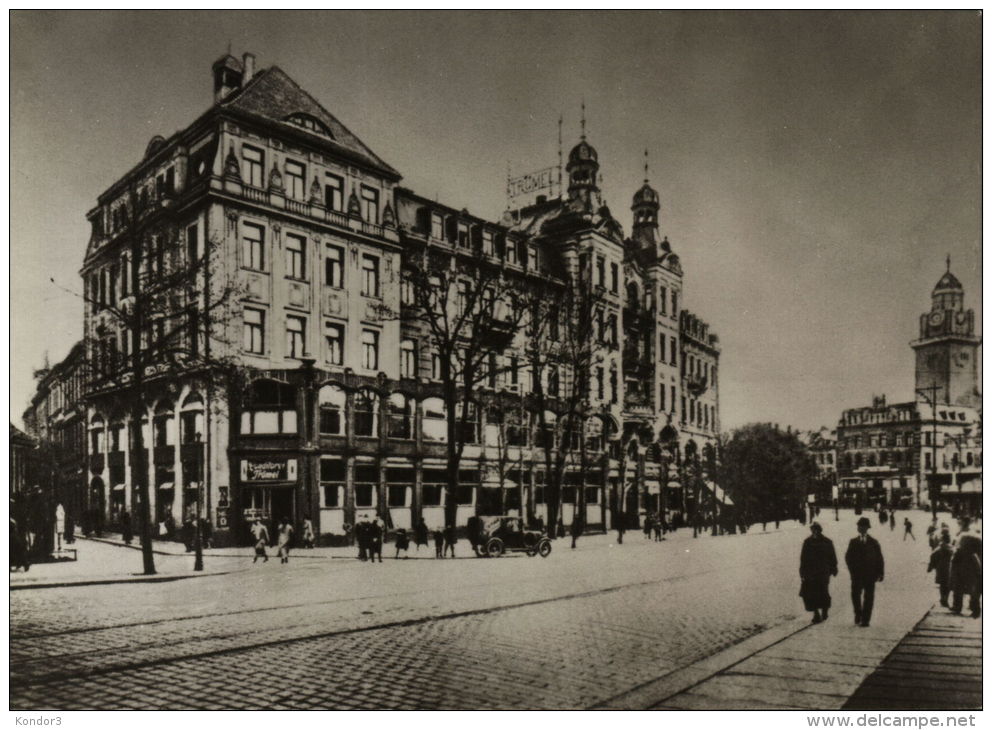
491, 536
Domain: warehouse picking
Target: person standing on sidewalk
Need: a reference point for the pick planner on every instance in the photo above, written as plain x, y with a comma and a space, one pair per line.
866, 565
261, 534
966, 570
817, 562
892, 522
450, 538
908, 530
127, 532
285, 538
940, 561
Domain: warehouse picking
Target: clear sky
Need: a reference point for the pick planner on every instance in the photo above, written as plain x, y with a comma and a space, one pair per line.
814, 168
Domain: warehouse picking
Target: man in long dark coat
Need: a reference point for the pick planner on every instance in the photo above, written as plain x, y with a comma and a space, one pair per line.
864, 560
966, 570
817, 562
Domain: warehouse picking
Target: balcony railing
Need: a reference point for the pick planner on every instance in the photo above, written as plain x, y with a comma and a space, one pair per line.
295, 206
696, 384
256, 195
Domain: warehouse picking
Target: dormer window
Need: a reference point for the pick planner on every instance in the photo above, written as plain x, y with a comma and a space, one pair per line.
311, 124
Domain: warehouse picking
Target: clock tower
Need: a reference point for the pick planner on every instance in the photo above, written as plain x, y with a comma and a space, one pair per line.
946, 353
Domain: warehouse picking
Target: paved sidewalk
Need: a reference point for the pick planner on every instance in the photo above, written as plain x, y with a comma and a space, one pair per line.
938, 665
102, 562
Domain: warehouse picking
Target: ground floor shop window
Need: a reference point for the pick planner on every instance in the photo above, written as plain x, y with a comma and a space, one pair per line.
431, 495
592, 495
397, 495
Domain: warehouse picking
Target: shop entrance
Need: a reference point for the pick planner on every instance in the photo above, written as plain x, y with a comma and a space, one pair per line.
269, 504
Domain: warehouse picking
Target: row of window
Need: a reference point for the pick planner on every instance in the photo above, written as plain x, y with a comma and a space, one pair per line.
296, 339
695, 366
465, 235
253, 256
294, 177
164, 184
113, 438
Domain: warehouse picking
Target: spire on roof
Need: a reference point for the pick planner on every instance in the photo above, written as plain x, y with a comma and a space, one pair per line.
645, 164
948, 263
583, 120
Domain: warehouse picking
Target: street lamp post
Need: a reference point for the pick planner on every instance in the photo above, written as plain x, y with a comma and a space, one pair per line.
930, 395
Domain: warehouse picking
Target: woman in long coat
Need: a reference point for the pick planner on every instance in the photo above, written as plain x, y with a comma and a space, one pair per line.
817, 562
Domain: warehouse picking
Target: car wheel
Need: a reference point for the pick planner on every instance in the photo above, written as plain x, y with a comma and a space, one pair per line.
544, 549
494, 548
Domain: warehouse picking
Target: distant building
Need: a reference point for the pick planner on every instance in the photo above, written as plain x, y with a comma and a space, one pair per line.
822, 445
898, 453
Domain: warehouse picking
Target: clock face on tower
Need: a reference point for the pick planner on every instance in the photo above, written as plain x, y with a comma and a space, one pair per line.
936, 318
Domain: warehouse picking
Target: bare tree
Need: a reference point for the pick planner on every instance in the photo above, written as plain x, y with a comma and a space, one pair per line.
166, 315
472, 308
563, 348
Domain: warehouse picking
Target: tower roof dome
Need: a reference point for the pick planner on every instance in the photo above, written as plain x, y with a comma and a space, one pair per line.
948, 282
646, 194
582, 152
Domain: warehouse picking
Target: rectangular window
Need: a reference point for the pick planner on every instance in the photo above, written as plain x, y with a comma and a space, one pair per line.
437, 226
600, 375
463, 237
672, 351
370, 349
296, 177
675, 304
408, 359
296, 257
661, 348
370, 204
672, 404
334, 266
296, 336
192, 248
125, 275
334, 343
253, 247
512, 255
333, 192
661, 400
253, 168
370, 276
487, 243
663, 300
614, 278
600, 271
407, 293
254, 331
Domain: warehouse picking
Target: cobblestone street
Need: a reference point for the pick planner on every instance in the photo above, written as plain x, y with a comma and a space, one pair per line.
567, 632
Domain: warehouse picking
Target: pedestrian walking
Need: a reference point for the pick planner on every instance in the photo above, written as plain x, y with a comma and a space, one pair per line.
940, 563
908, 529
261, 535
362, 537
659, 526
420, 533
206, 532
402, 543
127, 531
867, 567
438, 543
648, 519
883, 516
375, 540
285, 539
892, 520
450, 538
966, 570
59, 525
189, 533
307, 533
933, 539
19, 555
817, 563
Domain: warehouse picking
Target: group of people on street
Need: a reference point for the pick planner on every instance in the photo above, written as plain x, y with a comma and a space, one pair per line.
818, 563
957, 567
284, 538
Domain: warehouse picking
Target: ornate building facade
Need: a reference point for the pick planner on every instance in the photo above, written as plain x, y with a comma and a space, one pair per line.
329, 408
901, 453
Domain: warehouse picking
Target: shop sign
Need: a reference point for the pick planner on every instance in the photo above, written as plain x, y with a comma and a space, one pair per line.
268, 470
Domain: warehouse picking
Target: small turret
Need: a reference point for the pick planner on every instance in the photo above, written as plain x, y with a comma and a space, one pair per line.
645, 209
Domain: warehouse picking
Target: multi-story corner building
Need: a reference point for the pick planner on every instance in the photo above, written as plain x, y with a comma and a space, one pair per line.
897, 453
334, 408
56, 419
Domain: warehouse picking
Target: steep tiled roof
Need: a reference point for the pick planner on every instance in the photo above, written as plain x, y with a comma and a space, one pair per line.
274, 95
17, 436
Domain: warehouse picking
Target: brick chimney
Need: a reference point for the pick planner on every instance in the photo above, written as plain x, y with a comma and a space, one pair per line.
248, 61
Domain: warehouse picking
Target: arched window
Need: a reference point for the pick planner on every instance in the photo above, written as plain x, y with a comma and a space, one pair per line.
191, 420
366, 413
400, 417
633, 295
97, 442
331, 400
468, 423
545, 437
270, 407
435, 424
594, 435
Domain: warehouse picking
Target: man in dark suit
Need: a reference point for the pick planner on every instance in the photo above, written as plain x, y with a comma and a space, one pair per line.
864, 561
